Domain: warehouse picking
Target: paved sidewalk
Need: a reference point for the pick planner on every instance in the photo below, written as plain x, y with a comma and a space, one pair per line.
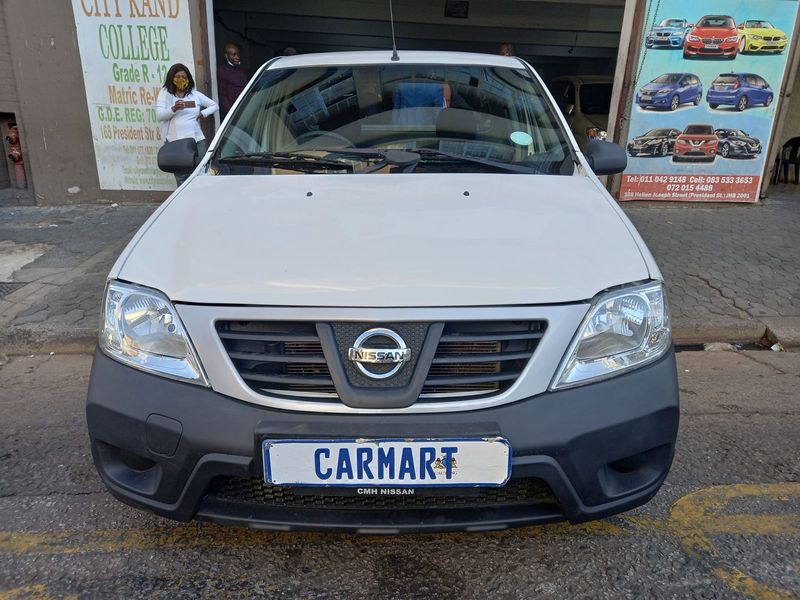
733, 271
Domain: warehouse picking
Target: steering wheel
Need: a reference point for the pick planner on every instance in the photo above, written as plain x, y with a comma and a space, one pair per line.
341, 141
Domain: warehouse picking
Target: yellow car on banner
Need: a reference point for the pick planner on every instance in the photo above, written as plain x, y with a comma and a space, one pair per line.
756, 35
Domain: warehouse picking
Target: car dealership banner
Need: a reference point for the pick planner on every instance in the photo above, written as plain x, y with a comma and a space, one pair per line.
126, 49
707, 84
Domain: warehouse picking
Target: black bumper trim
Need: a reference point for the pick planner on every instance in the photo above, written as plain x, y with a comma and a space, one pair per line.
580, 441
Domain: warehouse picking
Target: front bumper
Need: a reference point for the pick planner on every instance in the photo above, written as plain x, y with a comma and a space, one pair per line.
651, 150
701, 49
163, 445
766, 45
743, 151
657, 41
694, 153
654, 101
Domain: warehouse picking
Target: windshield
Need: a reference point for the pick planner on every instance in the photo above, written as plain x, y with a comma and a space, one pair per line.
667, 78
717, 22
699, 130
452, 118
595, 98
758, 25
657, 133
672, 23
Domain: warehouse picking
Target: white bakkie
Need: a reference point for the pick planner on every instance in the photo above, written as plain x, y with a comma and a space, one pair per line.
397, 274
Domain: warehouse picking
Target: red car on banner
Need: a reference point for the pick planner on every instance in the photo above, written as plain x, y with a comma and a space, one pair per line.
712, 35
697, 142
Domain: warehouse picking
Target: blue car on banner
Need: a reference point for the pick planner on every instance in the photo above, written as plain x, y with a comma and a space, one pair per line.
740, 90
735, 143
670, 90
670, 33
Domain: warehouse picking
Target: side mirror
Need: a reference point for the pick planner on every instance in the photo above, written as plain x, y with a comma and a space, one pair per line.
179, 156
605, 158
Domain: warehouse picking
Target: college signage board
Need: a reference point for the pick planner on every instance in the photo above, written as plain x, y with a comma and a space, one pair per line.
706, 89
126, 49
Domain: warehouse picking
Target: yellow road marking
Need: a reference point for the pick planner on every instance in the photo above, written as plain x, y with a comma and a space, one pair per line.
697, 516
37, 591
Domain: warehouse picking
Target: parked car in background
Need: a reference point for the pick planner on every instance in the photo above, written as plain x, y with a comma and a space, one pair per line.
735, 143
656, 142
585, 101
757, 35
740, 90
697, 142
669, 33
712, 35
670, 90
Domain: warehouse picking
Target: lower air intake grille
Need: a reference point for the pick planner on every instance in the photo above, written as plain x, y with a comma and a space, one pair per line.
473, 358
520, 491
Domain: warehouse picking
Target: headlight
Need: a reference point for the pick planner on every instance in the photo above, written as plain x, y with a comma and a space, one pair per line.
624, 329
733, 38
738, 143
663, 91
693, 38
141, 328
756, 37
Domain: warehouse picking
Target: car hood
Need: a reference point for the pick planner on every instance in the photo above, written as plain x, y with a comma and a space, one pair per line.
764, 31
697, 138
385, 241
747, 139
647, 138
660, 29
722, 32
655, 87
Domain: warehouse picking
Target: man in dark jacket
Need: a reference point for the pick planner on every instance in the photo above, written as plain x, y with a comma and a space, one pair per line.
231, 78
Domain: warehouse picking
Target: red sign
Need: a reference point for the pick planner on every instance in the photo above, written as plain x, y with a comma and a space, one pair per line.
694, 188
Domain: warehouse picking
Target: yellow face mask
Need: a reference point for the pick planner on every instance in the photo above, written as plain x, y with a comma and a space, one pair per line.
180, 82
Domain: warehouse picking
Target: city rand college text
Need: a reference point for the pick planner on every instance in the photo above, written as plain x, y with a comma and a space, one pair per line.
698, 188
126, 47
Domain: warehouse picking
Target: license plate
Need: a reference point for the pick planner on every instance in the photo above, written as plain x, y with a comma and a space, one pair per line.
712, 46
414, 463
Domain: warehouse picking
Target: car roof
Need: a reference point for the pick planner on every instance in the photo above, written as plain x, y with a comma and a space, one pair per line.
379, 57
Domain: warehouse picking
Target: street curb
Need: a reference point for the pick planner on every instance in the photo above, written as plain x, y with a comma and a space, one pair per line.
20, 340
734, 331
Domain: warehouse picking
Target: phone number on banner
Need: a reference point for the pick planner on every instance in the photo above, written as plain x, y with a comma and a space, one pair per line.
698, 188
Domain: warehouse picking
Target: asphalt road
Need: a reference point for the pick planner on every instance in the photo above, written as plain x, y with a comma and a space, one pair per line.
725, 525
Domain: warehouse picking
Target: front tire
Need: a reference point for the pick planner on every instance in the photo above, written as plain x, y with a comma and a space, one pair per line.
725, 150
697, 99
768, 101
664, 149
675, 102
743, 45
713, 104
742, 103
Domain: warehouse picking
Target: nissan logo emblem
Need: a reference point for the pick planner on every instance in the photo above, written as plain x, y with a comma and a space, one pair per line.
379, 346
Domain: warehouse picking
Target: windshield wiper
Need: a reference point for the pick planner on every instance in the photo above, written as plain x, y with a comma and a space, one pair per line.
293, 161
510, 167
405, 159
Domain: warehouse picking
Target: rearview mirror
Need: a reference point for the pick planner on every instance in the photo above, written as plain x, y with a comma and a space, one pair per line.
179, 156
605, 158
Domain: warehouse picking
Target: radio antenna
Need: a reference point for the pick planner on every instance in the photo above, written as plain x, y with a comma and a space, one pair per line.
395, 57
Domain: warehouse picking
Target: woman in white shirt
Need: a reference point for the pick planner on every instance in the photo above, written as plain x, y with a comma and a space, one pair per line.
180, 107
